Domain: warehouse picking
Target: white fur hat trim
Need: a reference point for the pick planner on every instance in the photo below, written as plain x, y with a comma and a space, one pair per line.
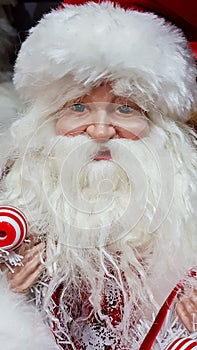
145, 58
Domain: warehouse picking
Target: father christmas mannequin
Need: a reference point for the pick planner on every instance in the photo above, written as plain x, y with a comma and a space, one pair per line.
104, 169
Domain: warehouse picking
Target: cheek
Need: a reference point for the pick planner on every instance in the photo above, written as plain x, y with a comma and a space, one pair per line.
66, 128
59, 128
136, 130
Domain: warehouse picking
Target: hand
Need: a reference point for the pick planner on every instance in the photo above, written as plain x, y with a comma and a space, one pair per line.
23, 277
186, 310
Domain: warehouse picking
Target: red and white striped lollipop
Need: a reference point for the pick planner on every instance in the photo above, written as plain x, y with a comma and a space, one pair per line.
13, 227
183, 344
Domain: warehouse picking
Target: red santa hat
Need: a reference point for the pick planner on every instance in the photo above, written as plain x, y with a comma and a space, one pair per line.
144, 57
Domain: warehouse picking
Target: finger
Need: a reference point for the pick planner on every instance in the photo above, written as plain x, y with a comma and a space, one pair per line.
191, 308
36, 250
182, 314
28, 283
186, 314
26, 275
26, 245
193, 299
34, 254
23, 274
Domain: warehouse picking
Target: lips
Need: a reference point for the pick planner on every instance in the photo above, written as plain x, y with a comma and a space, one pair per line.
103, 155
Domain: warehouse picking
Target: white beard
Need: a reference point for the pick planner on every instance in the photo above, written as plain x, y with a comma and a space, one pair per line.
104, 218
96, 198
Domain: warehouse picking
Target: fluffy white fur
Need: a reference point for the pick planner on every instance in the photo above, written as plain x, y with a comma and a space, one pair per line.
21, 326
89, 43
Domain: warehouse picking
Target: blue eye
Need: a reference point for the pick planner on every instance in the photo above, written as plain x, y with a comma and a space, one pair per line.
124, 109
78, 107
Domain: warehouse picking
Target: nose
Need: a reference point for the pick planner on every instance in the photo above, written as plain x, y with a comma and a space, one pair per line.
100, 128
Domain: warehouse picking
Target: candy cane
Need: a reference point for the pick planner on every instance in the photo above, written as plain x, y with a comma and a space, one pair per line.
13, 227
183, 344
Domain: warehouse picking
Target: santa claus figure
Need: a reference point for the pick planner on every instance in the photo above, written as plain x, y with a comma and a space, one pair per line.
103, 167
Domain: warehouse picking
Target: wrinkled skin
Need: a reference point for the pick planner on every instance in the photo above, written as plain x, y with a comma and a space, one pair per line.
186, 310
23, 277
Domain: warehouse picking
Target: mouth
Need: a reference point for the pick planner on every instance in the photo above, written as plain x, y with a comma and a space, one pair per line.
103, 154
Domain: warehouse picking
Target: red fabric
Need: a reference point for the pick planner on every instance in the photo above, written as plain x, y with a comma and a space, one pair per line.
193, 46
182, 13
114, 314
113, 311
123, 3
126, 4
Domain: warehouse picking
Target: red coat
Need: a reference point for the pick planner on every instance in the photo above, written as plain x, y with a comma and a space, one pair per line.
113, 311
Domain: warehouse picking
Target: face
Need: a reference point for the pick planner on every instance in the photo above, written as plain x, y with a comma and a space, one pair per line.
102, 116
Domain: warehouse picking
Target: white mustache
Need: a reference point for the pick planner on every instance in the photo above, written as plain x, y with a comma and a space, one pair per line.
133, 163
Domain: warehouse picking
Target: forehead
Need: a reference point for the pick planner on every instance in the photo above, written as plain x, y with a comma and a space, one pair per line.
101, 93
